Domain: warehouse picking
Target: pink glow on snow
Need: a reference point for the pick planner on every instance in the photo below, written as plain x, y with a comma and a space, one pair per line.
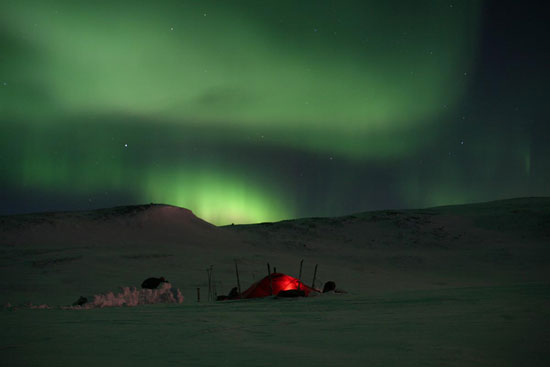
131, 296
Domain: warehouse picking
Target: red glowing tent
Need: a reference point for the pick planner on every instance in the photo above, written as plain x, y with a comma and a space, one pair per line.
275, 284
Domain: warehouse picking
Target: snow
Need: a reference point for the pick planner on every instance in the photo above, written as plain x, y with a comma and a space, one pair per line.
131, 297
496, 326
459, 286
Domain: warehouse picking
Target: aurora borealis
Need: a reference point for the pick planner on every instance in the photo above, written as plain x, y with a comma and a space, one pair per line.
254, 111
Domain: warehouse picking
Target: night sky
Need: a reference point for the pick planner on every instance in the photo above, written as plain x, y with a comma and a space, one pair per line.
250, 111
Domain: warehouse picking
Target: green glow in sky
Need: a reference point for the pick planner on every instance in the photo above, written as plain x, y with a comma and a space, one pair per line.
223, 103
376, 70
218, 196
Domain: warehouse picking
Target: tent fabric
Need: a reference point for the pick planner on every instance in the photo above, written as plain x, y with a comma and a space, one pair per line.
273, 285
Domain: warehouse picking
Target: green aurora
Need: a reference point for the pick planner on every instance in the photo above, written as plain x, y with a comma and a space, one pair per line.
235, 109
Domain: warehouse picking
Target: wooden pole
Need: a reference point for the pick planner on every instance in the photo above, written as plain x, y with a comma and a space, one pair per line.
300, 276
270, 280
314, 276
209, 272
238, 281
198, 294
212, 284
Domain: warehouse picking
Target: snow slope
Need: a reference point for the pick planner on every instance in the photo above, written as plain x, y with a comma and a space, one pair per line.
461, 286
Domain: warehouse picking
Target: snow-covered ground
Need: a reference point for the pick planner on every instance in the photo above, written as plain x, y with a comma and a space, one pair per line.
459, 286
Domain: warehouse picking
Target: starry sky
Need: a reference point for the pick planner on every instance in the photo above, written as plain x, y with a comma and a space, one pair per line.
251, 111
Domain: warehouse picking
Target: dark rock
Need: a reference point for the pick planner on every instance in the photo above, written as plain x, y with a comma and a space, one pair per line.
153, 283
80, 301
234, 293
329, 286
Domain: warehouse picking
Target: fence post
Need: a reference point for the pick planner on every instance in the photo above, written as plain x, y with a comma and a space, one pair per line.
314, 276
270, 280
238, 281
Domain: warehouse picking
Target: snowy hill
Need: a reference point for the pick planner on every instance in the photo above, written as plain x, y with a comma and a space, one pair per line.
459, 285
54, 257
487, 243
140, 223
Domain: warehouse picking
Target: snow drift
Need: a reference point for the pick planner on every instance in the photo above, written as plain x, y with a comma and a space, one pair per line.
127, 296
131, 296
